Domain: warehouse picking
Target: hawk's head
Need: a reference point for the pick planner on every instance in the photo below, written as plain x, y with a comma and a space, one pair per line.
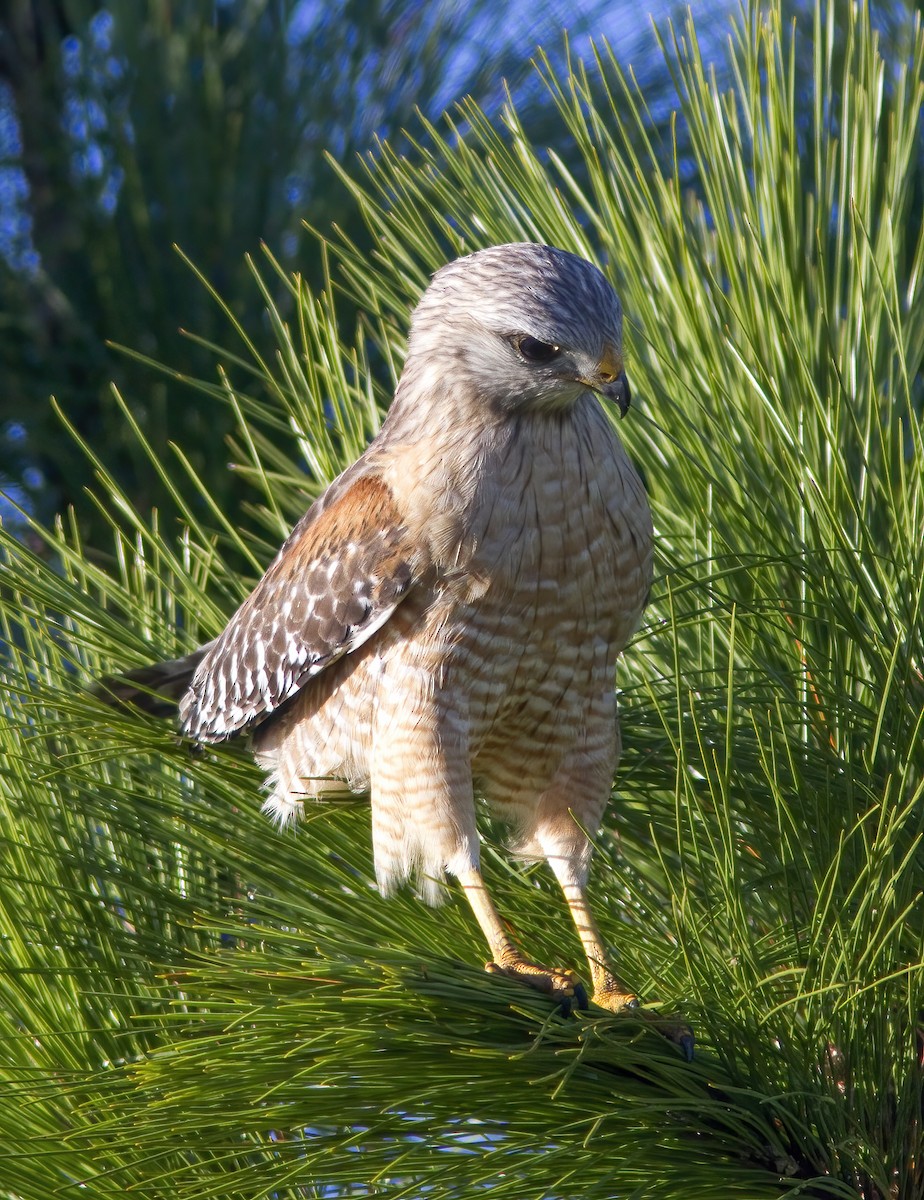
524, 325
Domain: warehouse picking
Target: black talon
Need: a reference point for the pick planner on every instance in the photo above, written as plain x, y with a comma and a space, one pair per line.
580, 997
686, 1045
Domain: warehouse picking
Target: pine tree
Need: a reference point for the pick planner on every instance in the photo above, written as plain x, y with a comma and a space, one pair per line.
194, 1005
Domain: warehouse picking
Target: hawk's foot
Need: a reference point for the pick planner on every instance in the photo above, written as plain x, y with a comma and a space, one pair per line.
612, 996
558, 983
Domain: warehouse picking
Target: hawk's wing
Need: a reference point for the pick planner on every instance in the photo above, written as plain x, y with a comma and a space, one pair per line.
339, 576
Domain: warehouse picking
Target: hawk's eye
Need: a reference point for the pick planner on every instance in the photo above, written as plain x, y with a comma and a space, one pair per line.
535, 351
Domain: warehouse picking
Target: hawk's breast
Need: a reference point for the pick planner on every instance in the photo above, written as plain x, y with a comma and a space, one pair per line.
558, 575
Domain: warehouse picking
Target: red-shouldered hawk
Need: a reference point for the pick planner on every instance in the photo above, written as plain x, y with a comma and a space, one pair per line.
445, 619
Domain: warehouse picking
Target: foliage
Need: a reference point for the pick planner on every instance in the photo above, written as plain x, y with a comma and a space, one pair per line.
196, 1006
143, 125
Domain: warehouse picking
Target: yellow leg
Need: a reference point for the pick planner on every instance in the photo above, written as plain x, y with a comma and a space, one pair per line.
609, 991
560, 983
506, 958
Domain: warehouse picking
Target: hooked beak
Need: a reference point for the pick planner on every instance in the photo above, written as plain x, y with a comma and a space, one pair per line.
609, 381
618, 392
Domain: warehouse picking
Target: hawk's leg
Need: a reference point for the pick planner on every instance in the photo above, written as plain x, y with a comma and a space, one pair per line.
572, 805
506, 958
609, 991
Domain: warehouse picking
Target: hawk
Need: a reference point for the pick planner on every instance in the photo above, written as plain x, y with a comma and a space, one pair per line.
445, 620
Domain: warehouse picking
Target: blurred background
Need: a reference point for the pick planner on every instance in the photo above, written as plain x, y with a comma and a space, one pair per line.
132, 128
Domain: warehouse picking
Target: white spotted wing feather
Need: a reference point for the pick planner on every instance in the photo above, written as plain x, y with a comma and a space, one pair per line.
344, 568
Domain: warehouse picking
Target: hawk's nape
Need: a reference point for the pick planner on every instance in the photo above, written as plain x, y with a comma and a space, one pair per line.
448, 615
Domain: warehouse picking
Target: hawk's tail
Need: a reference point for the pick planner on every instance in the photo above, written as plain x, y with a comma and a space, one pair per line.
156, 688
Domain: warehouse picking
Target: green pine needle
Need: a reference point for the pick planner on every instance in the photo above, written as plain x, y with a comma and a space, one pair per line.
192, 1004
